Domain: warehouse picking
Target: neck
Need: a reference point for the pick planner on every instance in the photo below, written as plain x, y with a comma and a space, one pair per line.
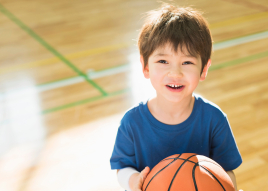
170, 112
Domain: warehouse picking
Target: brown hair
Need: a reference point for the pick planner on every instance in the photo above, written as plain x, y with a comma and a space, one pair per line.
178, 26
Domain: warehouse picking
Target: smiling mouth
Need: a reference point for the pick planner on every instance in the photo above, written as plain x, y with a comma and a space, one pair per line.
174, 86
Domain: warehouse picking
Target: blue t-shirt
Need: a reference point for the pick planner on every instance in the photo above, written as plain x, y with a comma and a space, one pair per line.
143, 141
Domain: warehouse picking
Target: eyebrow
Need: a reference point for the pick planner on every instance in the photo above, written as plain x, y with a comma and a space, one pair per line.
163, 54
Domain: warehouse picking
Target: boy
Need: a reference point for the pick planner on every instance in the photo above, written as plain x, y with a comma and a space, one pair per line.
175, 47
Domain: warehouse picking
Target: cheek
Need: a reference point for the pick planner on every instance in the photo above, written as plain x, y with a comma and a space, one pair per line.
193, 76
154, 72
156, 76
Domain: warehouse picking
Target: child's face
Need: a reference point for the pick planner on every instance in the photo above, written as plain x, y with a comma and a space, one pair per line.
167, 68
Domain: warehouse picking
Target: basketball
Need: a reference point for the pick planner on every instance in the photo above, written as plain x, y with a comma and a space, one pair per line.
187, 172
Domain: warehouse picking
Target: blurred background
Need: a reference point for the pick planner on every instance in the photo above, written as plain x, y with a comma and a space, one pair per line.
69, 69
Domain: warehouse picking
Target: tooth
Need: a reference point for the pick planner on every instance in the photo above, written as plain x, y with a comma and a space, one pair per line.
173, 85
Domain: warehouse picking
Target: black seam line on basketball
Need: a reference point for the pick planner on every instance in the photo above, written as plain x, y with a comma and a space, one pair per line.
49, 47
170, 158
160, 171
210, 162
213, 176
178, 171
179, 159
193, 174
195, 162
167, 159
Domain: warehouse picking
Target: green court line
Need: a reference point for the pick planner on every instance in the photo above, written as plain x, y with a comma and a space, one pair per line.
73, 104
239, 61
84, 101
49, 47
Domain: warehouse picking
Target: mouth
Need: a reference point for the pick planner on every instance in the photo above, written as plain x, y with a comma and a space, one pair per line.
172, 86
175, 88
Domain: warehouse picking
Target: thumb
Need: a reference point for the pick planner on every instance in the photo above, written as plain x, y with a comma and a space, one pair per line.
145, 172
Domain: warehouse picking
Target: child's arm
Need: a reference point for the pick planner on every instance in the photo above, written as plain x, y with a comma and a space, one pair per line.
232, 176
135, 181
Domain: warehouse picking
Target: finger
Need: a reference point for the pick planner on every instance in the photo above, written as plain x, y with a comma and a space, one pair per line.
145, 171
144, 174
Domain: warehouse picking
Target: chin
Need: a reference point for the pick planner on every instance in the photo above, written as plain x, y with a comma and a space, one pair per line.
174, 100
178, 99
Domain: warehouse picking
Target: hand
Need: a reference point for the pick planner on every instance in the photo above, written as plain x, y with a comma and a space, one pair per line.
136, 180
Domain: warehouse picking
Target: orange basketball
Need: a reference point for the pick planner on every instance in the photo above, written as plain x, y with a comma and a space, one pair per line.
187, 172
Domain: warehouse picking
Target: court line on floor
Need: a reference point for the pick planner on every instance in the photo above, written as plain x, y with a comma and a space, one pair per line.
239, 61
239, 20
96, 98
248, 4
49, 48
240, 40
73, 104
68, 56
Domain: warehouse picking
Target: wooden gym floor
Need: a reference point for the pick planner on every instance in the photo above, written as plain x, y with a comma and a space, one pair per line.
69, 69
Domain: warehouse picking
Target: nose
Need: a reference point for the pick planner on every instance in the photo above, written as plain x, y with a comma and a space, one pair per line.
175, 73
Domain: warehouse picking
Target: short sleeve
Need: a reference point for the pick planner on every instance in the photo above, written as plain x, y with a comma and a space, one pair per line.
223, 147
124, 153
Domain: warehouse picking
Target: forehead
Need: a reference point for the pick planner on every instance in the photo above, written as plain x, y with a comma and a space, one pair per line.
169, 50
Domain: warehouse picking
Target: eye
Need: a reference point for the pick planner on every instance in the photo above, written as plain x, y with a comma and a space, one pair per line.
163, 61
187, 63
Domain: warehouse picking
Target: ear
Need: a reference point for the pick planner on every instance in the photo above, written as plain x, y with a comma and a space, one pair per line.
146, 69
205, 71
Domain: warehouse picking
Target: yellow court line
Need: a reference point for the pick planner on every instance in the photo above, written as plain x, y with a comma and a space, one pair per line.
97, 50
239, 20
54, 60
69, 56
